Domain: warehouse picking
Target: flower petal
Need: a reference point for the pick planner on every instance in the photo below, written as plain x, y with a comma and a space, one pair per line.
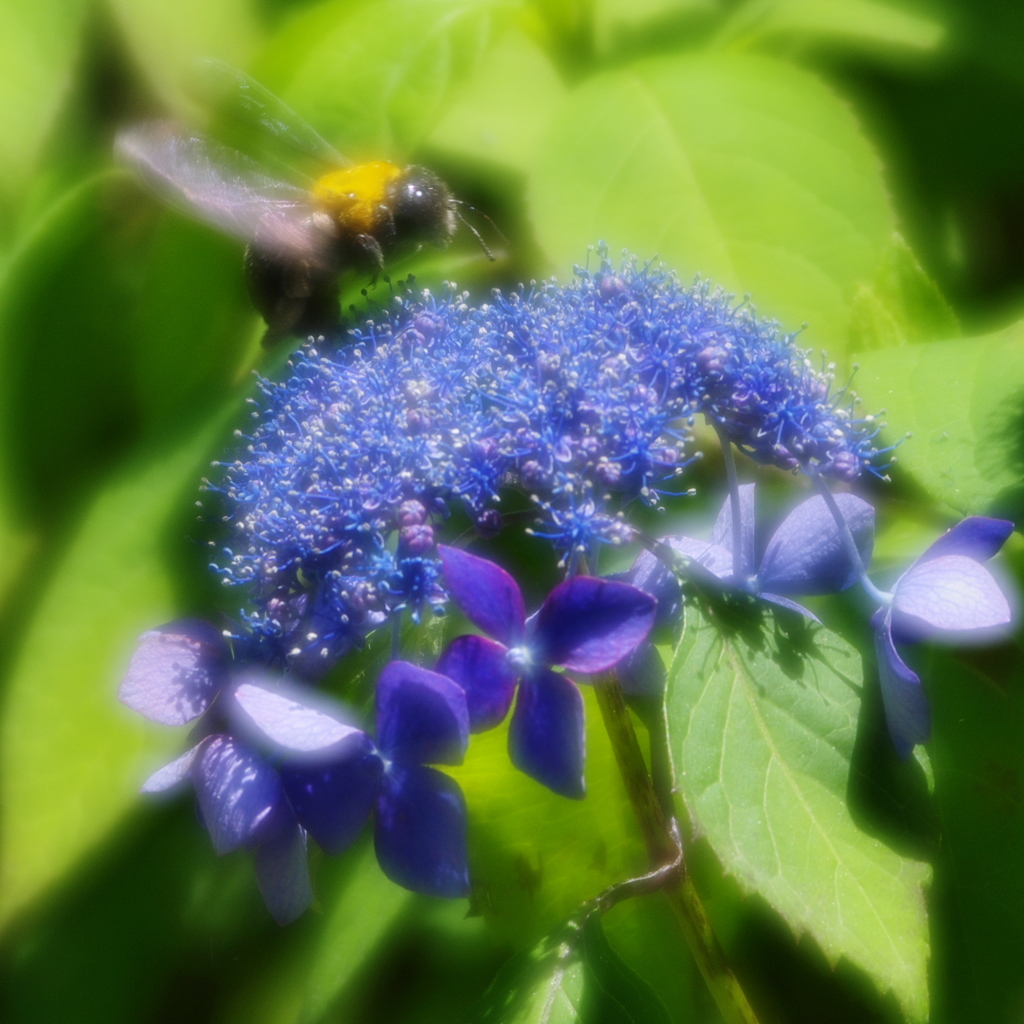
283, 874
589, 624
784, 602
420, 836
481, 668
721, 534
976, 537
486, 594
421, 716
175, 672
709, 563
290, 724
171, 774
546, 738
642, 674
806, 554
906, 707
947, 594
332, 801
237, 791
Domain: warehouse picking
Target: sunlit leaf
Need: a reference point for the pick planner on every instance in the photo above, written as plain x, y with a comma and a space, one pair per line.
358, 915
375, 78
500, 114
902, 305
741, 169
964, 404
71, 757
39, 40
535, 856
762, 728
853, 23
165, 36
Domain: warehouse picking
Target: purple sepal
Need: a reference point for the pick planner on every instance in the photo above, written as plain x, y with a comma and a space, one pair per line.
546, 738
945, 599
806, 554
283, 874
642, 674
589, 624
721, 534
784, 602
481, 668
906, 706
486, 594
420, 836
976, 537
421, 716
171, 774
236, 790
332, 801
289, 724
175, 672
712, 562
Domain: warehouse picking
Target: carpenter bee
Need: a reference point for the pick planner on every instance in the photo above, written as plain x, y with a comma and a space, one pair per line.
298, 239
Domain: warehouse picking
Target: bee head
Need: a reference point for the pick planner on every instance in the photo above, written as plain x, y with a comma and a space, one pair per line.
422, 208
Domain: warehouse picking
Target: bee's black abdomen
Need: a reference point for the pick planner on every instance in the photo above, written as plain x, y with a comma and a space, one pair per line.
291, 296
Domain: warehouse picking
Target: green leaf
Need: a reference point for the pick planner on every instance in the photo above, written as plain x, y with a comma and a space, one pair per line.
194, 323
66, 395
374, 79
978, 720
71, 758
861, 23
902, 305
761, 729
534, 856
964, 403
570, 977
39, 40
501, 113
360, 912
739, 168
166, 36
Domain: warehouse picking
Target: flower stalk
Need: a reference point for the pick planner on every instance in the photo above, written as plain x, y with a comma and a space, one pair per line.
664, 850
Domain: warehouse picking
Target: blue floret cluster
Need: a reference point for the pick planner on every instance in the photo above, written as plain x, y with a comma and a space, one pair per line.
583, 398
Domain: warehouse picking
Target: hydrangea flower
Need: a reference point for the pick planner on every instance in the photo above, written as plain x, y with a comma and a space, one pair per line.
585, 624
269, 766
581, 396
947, 596
805, 556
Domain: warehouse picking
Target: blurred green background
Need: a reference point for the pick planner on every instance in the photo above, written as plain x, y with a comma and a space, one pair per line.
855, 165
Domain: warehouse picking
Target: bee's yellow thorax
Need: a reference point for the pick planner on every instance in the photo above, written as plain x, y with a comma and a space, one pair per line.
354, 195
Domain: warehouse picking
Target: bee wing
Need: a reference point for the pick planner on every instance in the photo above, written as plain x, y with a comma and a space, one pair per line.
226, 189
234, 93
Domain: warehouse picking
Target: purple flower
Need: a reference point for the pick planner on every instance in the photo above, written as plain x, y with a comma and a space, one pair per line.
805, 556
175, 672
334, 777
272, 765
947, 596
586, 624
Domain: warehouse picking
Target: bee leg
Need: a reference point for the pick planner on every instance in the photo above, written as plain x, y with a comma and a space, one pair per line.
372, 248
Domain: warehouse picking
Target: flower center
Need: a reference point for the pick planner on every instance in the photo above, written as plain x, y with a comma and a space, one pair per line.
520, 658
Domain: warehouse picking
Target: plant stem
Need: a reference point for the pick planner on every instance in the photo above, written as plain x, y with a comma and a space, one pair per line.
849, 544
739, 570
663, 850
